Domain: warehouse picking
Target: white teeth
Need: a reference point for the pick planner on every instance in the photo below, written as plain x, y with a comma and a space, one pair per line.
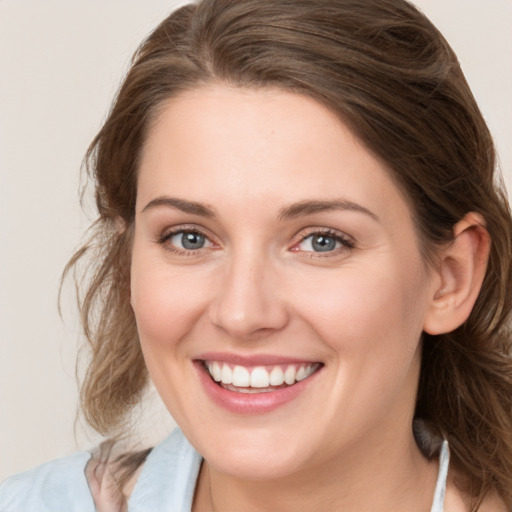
226, 375
241, 377
215, 371
289, 375
301, 374
259, 377
276, 376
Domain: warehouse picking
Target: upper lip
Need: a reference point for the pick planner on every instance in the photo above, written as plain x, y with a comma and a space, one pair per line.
251, 360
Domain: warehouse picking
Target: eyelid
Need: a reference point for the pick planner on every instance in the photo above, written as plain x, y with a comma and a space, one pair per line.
347, 241
165, 235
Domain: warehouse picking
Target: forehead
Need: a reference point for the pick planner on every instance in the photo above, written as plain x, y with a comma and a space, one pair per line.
244, 146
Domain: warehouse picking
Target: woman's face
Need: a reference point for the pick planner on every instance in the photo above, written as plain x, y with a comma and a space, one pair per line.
270, 245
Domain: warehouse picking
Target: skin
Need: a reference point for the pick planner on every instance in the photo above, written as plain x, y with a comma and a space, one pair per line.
257, 287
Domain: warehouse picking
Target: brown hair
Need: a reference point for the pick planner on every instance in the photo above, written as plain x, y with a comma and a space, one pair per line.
386, 71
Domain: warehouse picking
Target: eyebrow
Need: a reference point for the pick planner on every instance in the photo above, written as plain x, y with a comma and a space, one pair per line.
293, 211
305, 208
191, 207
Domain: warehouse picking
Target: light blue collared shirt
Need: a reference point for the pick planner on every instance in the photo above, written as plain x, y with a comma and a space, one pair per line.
166, 483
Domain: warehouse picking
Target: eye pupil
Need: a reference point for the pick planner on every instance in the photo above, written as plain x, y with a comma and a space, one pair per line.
192, 241
323, 243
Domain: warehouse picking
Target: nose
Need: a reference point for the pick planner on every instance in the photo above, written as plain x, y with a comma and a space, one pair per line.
248, 301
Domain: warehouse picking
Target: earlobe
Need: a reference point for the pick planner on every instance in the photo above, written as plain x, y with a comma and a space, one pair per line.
460, 276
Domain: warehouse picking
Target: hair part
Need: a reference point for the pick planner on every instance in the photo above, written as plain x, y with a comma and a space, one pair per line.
386, 72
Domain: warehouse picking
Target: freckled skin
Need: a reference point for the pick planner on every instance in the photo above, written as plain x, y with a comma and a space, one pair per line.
257, 287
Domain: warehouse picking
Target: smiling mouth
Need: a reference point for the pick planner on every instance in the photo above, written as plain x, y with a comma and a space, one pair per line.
258, 379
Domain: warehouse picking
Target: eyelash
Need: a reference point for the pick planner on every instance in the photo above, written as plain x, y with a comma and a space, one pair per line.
166, 236
346, 242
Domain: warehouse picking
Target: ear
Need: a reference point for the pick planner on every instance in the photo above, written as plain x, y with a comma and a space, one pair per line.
459, 276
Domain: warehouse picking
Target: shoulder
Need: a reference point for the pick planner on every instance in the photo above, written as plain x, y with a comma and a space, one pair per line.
163, 478
168, 479
56, 486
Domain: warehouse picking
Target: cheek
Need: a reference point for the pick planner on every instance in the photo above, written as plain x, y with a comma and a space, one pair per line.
166, 301
167, 304
371, 324
362, 310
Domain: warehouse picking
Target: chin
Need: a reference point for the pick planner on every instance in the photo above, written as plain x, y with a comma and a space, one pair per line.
260, 455
255, 466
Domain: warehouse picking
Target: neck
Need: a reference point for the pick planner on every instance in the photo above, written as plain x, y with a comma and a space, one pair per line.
376, 473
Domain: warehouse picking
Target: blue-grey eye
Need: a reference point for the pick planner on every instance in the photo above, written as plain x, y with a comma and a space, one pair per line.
319, 242
188, 240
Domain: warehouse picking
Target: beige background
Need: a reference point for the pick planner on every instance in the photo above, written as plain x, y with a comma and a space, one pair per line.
60, 64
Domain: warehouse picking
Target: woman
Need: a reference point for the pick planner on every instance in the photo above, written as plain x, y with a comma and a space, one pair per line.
300, 242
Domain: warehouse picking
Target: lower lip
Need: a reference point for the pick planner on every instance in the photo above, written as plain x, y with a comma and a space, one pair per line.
250, 403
